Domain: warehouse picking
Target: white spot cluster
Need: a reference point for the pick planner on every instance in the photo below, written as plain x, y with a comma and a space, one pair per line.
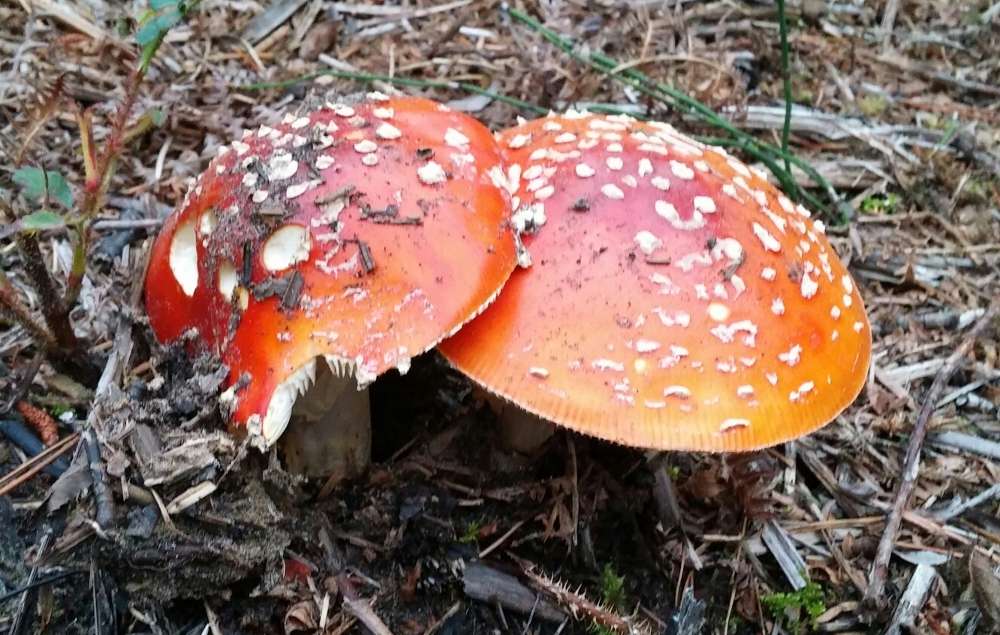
285, 247
704, 230
456, 139
183, 258
647, 242
431, 173
529, 218
278, 165
281, 166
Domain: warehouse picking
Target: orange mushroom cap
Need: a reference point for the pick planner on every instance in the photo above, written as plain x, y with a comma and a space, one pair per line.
361, 233
675, 300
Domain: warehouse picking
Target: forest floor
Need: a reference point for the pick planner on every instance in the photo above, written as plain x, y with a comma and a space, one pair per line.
183, 529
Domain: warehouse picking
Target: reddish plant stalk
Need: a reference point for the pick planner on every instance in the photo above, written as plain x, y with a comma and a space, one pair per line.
98, 183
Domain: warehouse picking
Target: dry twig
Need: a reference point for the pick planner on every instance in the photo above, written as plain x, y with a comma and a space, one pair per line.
911, 467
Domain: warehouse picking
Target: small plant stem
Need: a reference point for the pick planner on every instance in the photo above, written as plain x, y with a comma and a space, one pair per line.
58, 339
53, 310
141, 126
97, 185
786, 78
11, 305
83, 123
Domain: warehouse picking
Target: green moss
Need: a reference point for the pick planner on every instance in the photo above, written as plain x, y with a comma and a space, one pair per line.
872, 105
612, 587
612, 595
785, 607
977, 190
880, 204
471, 532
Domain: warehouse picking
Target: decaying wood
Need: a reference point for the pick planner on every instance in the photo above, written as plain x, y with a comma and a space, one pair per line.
362, 610
968, 442
912, 600
486, 584
781, 547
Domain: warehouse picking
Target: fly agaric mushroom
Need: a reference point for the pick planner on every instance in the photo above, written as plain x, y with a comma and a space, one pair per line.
675, 300
326, 250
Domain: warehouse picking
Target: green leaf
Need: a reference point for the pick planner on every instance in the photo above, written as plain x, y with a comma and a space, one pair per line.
151, 35
36, 184
32, 182
149, 32
157, 116
169, 19
157, 26
154, 24
145, 17
42, 220
59, 189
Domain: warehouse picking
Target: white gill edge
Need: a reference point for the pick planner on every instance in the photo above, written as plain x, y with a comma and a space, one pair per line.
264, 432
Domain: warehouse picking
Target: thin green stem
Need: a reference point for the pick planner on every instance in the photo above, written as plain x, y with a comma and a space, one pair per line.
786, 78
770, 161
638, 79
184, 8
764, 152
768, 154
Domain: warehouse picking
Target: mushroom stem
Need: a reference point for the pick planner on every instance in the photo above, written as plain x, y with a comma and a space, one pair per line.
329, 434
520, 430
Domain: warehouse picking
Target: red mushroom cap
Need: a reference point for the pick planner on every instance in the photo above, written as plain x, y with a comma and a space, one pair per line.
675, 300
362, 233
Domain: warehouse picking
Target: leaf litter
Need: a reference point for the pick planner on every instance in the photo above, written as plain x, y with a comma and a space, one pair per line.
895, 107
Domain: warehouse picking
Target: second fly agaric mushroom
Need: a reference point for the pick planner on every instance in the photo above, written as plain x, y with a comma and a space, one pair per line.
316, 254
675, 299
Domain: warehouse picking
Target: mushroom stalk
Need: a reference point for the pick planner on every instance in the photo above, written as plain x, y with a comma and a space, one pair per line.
519, 429
329, 432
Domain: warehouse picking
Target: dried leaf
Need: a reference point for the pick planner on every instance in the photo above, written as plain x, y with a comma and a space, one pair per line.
320, 39
296, 570
985, 587
47, 107
705, 484
301, 617
71, 484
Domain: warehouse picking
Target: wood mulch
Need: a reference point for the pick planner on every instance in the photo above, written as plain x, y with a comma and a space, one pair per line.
888, 518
